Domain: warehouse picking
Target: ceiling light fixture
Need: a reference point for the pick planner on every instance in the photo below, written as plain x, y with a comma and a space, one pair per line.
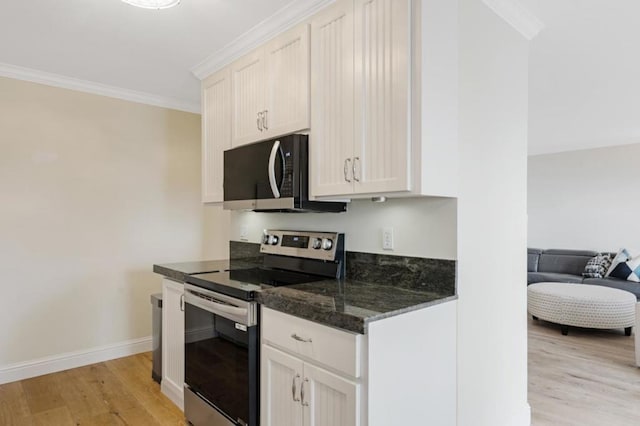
153, 4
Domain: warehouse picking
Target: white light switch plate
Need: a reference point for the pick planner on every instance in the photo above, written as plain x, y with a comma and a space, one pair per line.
244, 233
387, 238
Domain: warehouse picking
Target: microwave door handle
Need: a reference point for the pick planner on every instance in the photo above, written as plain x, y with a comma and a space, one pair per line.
272, 169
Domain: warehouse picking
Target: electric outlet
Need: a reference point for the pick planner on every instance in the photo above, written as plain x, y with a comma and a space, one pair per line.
387, 238
244, 233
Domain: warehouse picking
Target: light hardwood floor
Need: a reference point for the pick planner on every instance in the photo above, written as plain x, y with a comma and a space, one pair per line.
117, 392
588, 378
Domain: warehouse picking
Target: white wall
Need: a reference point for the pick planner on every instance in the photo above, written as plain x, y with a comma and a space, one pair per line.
423, 227
93, 192
492, 333
585, 199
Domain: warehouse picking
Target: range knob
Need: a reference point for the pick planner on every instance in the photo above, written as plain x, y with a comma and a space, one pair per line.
272, 240
316, 243
327, 243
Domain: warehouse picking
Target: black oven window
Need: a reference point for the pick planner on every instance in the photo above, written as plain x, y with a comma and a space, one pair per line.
217, 361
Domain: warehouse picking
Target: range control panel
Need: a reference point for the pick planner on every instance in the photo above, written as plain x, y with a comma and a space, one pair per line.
311, 245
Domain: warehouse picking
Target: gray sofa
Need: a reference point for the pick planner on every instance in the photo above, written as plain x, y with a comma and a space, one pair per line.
567, 266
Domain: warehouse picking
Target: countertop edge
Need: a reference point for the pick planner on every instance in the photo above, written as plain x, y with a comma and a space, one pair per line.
340, 320
385, 315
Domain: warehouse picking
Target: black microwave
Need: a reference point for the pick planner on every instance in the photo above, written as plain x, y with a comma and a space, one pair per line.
271, 175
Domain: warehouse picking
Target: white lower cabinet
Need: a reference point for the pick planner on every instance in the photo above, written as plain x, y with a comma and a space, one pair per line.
329, 399
310, 373
401, 372
297, 393
173, 341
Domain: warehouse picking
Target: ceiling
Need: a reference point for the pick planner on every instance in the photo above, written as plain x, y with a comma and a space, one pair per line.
115, 44
584, 64
584, 75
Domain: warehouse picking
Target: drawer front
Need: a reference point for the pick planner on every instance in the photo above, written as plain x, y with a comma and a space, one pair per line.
336, 349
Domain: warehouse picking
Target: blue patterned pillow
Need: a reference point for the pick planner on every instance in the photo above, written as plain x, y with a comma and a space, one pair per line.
597, 266
625, 267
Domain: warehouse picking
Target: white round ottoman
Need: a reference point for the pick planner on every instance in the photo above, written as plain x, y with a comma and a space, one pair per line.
582, 305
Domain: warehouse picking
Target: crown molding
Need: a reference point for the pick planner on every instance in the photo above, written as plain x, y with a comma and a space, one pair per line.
516, 15
283, 19
57, 80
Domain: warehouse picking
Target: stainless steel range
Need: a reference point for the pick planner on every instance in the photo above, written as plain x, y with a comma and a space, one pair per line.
222, 347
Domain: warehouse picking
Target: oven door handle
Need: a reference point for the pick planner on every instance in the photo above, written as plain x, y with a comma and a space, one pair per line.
234, 313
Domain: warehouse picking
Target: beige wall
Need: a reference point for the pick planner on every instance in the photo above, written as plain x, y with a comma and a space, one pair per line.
93, 191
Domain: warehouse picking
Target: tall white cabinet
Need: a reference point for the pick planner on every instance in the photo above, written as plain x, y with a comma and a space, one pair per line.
172, 384
216, 133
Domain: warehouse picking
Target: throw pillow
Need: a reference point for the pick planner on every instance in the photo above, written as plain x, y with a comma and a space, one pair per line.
622, 256
625, 267
597, 266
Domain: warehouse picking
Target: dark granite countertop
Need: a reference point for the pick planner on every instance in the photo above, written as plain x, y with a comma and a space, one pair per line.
178, 271
347, 304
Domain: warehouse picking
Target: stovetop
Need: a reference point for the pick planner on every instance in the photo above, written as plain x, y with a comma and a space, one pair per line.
290, 257
244, 283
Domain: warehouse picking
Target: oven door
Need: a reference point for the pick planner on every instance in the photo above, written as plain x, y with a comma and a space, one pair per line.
221, 358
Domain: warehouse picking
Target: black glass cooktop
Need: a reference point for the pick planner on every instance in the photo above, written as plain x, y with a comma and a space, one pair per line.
244, 283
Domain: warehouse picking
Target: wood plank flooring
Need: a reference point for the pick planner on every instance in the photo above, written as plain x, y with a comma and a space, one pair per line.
588, 378
117, 392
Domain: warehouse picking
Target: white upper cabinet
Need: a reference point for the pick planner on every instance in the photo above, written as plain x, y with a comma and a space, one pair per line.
361, 138
384, 99
287, 96
332, 121
216, 133
382, 96
270, 88
248, 86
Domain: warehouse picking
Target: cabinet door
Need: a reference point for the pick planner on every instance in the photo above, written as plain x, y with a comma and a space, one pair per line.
329, 399
383, 58
173, 341
248, 85
332, 115
287, 60
216, 133
281, 380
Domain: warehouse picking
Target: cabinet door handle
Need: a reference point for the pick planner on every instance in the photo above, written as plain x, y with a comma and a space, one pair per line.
182, 302
304, 403
265, 120
355, 175
301, 339
346, 170
259, 121
294, 388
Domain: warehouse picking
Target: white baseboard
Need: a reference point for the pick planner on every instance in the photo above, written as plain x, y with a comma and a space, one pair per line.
173, 392
52, 364
523, 417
